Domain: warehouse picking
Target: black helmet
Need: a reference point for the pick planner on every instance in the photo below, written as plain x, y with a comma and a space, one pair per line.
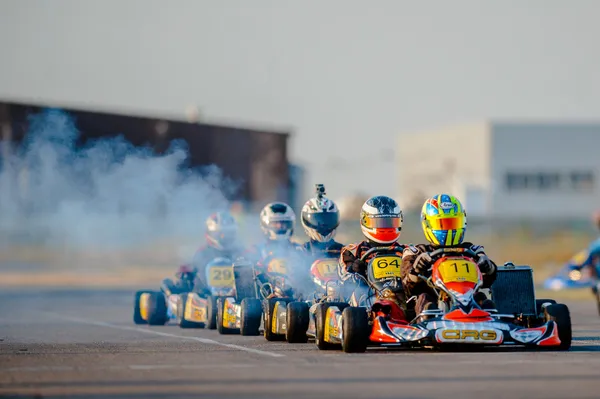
320, 217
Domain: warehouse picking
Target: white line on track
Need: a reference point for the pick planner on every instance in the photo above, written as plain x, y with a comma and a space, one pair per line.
141, 367
164, 334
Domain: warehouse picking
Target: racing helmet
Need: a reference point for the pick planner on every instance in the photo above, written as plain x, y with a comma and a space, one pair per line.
444, 220
381, 220
320, 217
221, 231
277, 221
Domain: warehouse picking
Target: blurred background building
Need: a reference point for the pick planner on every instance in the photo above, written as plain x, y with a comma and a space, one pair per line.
256, 159
505, 170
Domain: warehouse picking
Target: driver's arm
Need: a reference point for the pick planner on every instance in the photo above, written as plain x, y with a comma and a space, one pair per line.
349, 262
410, 253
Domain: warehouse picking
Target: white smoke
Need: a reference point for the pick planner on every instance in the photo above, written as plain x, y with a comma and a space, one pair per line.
107, 193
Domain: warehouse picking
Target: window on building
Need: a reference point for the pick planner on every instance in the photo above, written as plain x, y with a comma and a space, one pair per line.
517, 181
547, 181
582, 180
540, 181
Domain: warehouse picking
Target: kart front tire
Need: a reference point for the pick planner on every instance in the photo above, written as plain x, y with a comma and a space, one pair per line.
181, 307
137, 315
355, 327
251, 313
157, 309
269, 308
320, 320
220, 311
560, 314
297, 319
211, 313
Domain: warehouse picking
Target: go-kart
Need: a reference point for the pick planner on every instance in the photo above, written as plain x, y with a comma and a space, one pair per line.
572, 275
198, 309
518, 320
241, 313
294, 319
188, 308
157, 308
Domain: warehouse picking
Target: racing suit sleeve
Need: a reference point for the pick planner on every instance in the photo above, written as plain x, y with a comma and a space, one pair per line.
488, 279
349, 262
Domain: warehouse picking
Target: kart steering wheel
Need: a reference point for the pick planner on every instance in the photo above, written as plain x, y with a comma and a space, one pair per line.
364, 256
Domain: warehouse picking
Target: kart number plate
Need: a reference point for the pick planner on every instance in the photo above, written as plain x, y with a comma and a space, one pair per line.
220, 276
458, 270
387, 266
278, 266
327, 268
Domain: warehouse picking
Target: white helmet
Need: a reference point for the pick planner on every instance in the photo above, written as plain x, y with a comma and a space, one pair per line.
277, 221
381, 220
320, 217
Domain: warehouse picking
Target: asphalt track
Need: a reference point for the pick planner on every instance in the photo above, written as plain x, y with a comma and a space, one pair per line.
79, 344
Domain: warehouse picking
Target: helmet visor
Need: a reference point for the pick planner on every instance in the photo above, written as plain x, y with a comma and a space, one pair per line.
382, 222
322, 222
447, 223
281, 226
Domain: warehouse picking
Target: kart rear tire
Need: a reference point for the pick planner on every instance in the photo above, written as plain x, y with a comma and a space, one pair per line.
320, 313
297, 319
220, 327
211, 313
355, 327
181, 321
157, 309
268, 308
137, 315
251, 314
540, 302
560, 314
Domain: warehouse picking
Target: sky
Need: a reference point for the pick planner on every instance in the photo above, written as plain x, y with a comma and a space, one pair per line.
349, 77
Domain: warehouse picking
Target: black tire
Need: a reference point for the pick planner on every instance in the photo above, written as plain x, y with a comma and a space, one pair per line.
597, 296
181, 306
220, 328
320, 324
540, 302
561, 315
251, 315
157, 309
137, 316
356, 331
211, 313
297, 319
268, 308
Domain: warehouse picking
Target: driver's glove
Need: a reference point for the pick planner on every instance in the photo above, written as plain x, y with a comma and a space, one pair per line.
486, 266
357, 266
422, 263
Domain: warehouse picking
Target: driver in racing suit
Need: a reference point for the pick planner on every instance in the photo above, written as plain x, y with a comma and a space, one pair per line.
221, 241
444, 223
381, 224
320, 218
277, 222
592, 261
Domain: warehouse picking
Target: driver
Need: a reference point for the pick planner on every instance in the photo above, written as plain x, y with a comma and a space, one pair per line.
320, 218
592, 260
277, 222
444, 223
381, 224
222, 241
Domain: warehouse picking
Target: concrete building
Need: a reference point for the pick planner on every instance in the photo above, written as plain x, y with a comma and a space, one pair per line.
504, 169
